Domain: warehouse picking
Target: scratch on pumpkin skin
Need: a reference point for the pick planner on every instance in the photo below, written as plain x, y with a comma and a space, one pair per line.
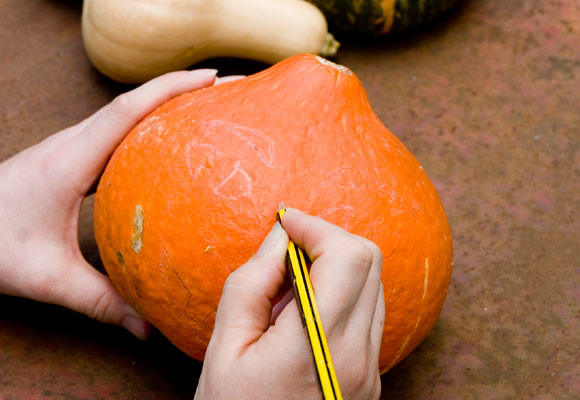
188, 300
138, 221
201, 325
389, 287
404, 345
426, 277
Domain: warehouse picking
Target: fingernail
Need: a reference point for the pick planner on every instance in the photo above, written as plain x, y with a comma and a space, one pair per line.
137, 326
273, 237
204, 72
230, 78
281, 205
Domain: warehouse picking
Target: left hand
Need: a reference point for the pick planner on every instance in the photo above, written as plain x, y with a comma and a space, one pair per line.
41, 192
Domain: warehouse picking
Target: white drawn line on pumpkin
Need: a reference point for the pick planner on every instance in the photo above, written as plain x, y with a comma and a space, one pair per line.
327, 181
189, 159
237, 170
261, 143
335, 209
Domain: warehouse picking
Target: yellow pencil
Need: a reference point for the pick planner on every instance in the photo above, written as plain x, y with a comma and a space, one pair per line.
304, 294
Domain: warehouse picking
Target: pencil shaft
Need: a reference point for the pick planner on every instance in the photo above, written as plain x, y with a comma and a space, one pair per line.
306, 301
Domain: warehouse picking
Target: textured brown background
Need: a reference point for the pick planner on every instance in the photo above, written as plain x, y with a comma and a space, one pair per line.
487, 98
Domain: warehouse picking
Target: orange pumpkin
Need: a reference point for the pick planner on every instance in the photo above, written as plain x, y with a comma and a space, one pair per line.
193, 190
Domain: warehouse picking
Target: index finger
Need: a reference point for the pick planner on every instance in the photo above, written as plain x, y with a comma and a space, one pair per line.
88, 151
341, 263
313, 234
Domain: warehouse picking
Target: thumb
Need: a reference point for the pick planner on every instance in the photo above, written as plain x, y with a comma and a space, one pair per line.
92, 293
245, 307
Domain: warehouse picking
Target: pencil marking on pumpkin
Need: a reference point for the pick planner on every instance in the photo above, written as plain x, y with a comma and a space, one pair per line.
349, 211
194, 172
138, 222
333, 179
207, 146
237, 172
261, 143
426, 277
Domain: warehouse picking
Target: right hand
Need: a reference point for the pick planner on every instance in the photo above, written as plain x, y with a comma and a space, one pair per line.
249, 357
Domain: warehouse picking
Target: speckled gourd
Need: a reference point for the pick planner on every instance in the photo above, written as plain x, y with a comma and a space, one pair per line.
380, 16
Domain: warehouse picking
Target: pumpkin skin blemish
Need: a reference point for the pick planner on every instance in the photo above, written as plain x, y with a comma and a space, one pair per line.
137, 238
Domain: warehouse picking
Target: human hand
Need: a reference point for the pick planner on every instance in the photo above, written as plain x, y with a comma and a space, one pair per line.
251, 357
41, 192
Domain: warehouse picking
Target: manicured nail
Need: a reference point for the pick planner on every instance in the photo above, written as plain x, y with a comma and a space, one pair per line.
137, 326
230, 78
204, 72
273, 237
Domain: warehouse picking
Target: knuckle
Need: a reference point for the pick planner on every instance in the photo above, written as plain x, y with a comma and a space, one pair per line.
363, 381
121, 105
360, 254
376, 387
46, 157
375, 250
358, 379
232, 280
238, 279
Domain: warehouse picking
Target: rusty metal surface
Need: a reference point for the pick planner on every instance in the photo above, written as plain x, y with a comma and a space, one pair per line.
487, 98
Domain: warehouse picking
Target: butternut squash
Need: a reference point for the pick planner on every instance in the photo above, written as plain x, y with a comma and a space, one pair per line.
133, 41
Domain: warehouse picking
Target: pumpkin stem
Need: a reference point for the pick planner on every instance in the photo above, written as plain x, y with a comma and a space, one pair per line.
338, 67
330, 46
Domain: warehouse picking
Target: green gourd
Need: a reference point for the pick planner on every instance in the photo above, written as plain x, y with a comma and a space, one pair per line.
380, 16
